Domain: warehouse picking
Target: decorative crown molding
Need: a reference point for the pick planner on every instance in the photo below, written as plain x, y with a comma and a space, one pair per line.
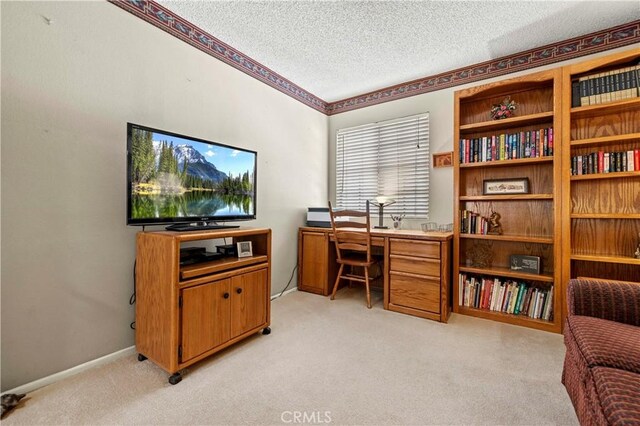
611, 38
166, 20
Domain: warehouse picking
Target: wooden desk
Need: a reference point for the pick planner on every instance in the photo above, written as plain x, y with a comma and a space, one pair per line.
416, 272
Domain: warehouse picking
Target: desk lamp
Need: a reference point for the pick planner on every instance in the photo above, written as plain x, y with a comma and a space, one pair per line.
382, 201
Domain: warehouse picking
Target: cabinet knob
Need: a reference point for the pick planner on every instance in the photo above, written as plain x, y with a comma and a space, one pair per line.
238, 290
226, 295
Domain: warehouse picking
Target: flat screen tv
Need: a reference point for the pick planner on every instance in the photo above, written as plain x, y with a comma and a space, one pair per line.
173, 178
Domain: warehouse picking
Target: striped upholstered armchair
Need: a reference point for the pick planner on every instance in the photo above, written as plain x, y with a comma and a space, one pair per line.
602, 364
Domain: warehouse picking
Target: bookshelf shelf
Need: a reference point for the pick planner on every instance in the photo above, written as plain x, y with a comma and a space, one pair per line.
605, 108
605, 140
614, 175
214, 266
536, 213
508, 123
607, 259
631, 216
522, 320
511, 197
601, 217
513, 238
506, 273
514, 162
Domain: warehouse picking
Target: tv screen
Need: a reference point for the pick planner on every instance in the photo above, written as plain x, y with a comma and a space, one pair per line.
176, 178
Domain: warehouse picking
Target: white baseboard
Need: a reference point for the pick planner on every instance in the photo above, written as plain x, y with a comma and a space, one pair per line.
275, 296
37, 384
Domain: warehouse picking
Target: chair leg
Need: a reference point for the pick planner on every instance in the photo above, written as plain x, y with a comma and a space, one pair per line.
366, 281
335, 286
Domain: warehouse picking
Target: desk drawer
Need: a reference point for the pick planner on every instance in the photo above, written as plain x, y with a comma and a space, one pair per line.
414, 265
415, 248
415, 292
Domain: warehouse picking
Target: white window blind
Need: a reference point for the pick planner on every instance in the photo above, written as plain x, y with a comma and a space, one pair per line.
389, 158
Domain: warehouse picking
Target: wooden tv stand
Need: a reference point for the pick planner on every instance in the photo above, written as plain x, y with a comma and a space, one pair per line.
186, 313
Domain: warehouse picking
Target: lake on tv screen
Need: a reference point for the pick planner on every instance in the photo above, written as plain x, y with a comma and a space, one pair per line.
178, 177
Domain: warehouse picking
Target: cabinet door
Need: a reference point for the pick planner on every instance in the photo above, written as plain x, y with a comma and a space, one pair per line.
248, 301
205, 317
313, 262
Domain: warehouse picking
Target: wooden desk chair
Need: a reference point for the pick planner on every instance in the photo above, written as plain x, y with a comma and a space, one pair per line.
353, 247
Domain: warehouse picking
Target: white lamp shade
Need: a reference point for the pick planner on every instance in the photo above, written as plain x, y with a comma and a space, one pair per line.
382, 199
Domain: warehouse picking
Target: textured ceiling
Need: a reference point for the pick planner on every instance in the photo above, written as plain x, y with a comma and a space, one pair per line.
339, 49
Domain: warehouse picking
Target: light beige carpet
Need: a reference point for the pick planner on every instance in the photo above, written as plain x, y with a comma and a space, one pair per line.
332, 361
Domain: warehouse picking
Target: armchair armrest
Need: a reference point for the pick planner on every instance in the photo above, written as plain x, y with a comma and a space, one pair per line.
611, 300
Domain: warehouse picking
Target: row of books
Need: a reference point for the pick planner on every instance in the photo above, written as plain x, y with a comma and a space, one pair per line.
607, 86
507, 296
530, 144
606, 162
473, 223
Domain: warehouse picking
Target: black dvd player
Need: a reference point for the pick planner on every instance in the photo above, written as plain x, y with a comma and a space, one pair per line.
198, 256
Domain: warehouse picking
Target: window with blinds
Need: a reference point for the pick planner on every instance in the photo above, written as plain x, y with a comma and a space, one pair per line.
389, 158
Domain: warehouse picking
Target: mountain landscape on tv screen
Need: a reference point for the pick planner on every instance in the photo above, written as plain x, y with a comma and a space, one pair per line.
170, 180
197, 164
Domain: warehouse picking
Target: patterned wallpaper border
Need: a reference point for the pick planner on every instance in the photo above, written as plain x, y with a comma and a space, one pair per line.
611, 38
166, 20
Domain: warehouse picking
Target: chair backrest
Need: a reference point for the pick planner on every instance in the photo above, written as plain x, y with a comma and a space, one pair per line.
346, 238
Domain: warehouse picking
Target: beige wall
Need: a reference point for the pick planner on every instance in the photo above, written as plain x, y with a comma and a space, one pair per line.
68, 90
440, 107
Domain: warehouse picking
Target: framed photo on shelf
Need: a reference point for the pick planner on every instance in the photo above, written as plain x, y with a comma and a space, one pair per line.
505, 186
245, 249
443, 159
525, 263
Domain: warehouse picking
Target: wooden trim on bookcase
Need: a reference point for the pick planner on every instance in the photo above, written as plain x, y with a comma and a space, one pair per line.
552, 80
569, 113
606, 259
510, 319
610, 107
456, 203
559, 153
565, 191
612, 175
606, 140
512, 162
514, 121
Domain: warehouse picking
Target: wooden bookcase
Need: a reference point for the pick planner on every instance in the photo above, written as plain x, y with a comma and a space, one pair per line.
531, 222
601, 212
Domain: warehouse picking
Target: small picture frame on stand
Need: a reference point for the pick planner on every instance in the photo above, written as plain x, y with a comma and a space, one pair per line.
245, 249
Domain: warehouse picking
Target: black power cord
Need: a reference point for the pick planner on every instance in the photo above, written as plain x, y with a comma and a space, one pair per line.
290, 278
132, 299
